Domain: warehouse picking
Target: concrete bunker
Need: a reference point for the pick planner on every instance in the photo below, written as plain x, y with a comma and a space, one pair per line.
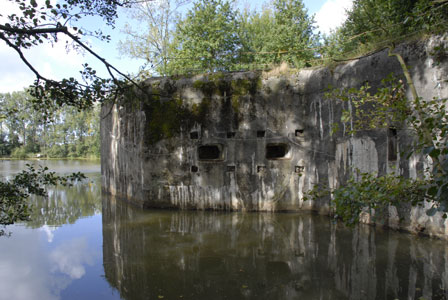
258, 142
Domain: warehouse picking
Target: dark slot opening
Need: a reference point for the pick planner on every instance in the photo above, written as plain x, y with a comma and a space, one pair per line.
261, 133
300, 169
231, 168
261, 169
209, 152
231, 134
276, 151
299, 132
392, 143
194, 135
194, 169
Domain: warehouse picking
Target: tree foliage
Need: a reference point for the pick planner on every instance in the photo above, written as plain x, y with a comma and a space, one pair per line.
291, 34
280, 33
389, 103
377, 23
216, 36
372, 194
207, 39
152, 41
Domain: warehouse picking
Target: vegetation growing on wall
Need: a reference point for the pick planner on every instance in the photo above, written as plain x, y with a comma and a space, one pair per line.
388, 102
241, 88
167, 114
372, 194
165, 119
426, 119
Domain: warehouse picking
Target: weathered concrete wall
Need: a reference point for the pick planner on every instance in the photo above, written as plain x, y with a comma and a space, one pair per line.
247, 141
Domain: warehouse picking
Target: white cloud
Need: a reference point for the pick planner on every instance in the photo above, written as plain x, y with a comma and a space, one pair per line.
41, 272
50, 61
24, 270
71, 257
14, 74
332, 14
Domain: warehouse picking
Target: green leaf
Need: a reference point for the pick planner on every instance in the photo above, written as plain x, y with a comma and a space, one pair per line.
433, 190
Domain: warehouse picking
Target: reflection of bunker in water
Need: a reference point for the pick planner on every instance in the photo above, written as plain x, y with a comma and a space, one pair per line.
213, 255
254, 142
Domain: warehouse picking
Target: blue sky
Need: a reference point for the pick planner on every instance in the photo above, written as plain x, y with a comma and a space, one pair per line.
53, 61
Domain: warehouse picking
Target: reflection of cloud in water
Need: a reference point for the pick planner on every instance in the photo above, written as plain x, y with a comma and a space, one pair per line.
70, 258
24, 271
49, 232
28, 273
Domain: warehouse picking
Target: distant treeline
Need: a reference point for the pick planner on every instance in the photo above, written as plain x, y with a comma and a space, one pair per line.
63, 132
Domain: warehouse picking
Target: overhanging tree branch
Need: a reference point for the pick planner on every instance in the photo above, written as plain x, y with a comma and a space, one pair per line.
33, 31
22, 57
58, 29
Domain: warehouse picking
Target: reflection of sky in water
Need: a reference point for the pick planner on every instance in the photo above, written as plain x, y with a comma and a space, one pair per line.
24, 270
71, 257
48, 258
42, 263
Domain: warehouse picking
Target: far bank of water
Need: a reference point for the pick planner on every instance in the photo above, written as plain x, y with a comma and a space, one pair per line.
81, 244
12, 166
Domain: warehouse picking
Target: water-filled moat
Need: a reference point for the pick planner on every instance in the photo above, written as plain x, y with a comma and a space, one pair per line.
84, 245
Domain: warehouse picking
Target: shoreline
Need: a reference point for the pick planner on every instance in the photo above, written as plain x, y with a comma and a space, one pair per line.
49, 158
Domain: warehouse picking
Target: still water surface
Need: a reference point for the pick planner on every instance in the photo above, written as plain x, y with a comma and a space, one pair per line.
80, 244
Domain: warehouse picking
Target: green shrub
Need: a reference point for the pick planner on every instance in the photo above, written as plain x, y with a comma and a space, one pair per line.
57, 151
19, 152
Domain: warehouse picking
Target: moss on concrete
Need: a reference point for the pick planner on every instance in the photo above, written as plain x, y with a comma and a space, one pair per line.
167, 114
219, 84
242, 88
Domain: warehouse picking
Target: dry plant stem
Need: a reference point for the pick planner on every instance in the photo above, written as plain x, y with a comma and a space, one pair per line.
406, 73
